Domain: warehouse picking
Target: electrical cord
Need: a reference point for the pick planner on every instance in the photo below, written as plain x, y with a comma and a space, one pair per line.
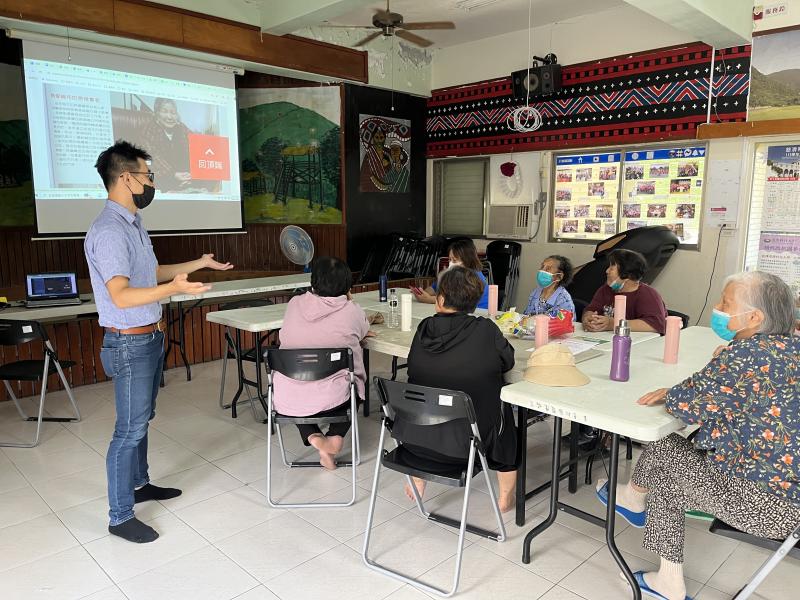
711, 278
525, 119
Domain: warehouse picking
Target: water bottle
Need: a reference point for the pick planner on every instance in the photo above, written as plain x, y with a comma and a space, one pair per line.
621, 352
383, 283
393, 322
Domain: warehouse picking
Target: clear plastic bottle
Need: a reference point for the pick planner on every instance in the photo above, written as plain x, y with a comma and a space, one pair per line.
393, 322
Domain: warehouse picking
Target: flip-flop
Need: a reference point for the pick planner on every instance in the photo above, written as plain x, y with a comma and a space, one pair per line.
637, 519
646, 590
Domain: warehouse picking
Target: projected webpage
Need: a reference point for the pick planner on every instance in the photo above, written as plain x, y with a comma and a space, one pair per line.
76, 111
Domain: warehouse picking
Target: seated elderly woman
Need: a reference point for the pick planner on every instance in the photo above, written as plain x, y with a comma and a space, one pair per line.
323, 318
744, 464
457, 351
645, 308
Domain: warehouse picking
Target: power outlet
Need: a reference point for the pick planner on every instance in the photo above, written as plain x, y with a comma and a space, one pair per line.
729, 227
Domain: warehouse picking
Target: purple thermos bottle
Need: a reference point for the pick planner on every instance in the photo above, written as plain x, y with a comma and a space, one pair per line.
621, 352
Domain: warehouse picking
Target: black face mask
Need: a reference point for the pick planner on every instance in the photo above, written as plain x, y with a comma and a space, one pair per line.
144, 199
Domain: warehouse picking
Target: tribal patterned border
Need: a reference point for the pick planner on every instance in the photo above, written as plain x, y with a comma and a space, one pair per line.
644, 97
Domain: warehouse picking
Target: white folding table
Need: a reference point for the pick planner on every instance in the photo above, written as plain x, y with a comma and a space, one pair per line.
611, 406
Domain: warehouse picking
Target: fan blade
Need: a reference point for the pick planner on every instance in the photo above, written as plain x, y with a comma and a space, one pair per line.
414, 39
428, 25
368, 39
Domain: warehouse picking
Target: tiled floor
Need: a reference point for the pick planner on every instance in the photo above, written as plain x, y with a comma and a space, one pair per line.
220, 540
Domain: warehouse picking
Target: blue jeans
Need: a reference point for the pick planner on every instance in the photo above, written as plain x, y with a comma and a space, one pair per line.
134, 362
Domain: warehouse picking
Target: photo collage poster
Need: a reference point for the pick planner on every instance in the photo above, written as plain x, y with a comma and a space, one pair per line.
586, 196
779, 244
664, 187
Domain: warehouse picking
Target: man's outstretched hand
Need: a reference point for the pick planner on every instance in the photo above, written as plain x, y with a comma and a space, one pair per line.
210, 263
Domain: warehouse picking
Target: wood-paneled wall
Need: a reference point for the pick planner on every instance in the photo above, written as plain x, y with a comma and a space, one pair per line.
80, 341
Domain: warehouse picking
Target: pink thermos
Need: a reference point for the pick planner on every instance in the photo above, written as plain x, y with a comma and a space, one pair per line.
542, 332
672, 340
620, 304
493, 291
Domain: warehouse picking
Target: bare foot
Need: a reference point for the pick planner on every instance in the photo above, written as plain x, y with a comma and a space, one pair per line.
335, 443
420, 485
320, 442
505, 501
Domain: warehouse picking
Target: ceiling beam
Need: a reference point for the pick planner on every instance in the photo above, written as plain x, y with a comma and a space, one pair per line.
718, 23
280, 17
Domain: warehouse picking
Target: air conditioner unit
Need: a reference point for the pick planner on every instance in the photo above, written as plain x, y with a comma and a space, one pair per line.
510, 221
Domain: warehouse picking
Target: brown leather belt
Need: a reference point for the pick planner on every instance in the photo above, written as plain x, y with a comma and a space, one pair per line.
152, 328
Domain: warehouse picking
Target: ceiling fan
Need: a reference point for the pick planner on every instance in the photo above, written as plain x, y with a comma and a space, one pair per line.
391, 23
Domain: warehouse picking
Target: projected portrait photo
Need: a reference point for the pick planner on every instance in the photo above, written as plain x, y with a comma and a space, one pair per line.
164, 128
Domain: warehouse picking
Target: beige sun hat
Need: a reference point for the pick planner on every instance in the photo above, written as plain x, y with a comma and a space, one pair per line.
554, 365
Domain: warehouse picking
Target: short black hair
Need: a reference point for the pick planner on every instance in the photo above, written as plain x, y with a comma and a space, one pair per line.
330, 277
464, 250
565, 266
461, 289
631, 265
115, 160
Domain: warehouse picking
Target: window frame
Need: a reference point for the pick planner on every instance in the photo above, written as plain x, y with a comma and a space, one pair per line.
439, 165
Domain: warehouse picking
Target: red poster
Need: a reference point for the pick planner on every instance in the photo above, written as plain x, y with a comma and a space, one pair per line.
209, 157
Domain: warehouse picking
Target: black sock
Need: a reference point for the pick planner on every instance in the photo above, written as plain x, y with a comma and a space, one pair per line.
135, 531
153, 492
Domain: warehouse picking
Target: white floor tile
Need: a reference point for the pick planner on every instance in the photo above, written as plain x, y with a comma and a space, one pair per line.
227, 514
782, 583
171, 458
338, 569
206, 574
19, 505
29, 541
554, 554
276, 546
250, 465
123, 560
110, 593
304, 485
407, 593
409, 543
37, 467
347, 522
68, 575
258, 593
209, 437
89, 521
559, 593
486, 576
10, 476
599, 577
197, 484
63, 492
59, 440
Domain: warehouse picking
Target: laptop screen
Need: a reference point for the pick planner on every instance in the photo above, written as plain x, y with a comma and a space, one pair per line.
48, 286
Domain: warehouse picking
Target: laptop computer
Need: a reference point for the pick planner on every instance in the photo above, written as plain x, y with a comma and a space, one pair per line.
51, 289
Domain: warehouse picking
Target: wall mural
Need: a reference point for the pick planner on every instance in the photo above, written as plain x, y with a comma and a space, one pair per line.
16, 184
290, 148
650, 96
385, 147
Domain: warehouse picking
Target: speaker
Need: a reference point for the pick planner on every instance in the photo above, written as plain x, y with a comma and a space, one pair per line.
538, 81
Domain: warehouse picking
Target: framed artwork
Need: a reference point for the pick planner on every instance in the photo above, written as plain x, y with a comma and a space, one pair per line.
385, 154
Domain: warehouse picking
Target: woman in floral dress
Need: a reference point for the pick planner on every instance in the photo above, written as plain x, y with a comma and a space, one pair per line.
743, 466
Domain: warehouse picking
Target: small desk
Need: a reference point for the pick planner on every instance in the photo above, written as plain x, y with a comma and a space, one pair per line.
54, 314
611, 406
227, 291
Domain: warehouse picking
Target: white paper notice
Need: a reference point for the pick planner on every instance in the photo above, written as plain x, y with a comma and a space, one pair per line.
722, 193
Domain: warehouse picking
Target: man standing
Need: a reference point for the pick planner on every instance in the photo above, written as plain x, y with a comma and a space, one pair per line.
127, 285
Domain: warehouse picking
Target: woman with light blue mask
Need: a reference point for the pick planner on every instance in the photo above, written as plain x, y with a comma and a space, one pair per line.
743, 466
550, 294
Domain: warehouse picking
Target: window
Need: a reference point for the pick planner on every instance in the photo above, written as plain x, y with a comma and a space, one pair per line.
460, 196
773, 233
596, 195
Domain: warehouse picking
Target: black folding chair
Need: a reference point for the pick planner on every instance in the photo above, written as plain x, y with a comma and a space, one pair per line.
417, 405
311, 364
13, 333
790, 546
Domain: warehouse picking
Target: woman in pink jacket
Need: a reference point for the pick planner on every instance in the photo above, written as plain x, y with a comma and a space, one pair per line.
323, 318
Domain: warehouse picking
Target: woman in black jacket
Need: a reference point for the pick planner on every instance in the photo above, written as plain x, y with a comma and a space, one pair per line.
457, 351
